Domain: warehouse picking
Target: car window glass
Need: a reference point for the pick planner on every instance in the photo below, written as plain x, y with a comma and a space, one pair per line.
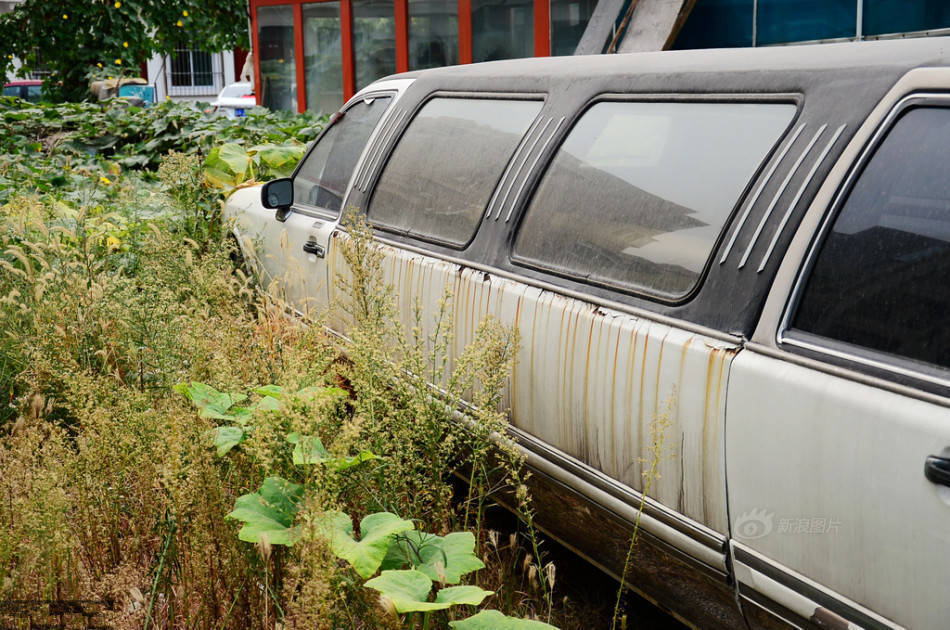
443, 171
11, 90
881, 277
325, 172
638, 193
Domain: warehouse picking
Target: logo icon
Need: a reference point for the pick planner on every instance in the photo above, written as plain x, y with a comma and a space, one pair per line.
753, 524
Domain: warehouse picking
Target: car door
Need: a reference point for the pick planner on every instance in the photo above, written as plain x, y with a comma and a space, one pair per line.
838, 413
291, 246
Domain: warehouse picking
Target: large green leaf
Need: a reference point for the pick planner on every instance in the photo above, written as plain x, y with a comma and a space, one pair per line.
445, 558
408, 590
469, 595
308, 449
226, 438
279, 158
376, 532
269, 512
494, 620
210, 402
227, 164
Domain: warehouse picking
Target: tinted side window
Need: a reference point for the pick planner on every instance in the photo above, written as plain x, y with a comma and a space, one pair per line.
11, 90
325, 173
882, 276
443, 171
638, 193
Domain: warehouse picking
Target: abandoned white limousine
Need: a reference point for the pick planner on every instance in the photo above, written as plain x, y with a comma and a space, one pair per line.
752, 242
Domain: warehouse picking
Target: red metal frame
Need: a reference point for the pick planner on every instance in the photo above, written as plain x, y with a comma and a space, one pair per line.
542, 28
402, 35
256, 51
346, 37
542, 39
465, 31
299, 58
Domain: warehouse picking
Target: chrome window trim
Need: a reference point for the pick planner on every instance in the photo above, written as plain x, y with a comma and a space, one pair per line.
778, 195
534, 165
785, 334
755, 197
798, 196
511, 163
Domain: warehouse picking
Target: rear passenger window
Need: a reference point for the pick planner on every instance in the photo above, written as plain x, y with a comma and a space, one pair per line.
882, 277
638, 193
326, 171
443, 171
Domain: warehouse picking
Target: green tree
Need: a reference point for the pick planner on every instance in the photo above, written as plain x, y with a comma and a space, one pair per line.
71, 37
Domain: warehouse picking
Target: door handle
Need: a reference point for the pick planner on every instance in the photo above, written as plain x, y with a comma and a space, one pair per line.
314, 248
937, 470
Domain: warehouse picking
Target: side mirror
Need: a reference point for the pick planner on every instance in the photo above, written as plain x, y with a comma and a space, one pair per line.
278, 194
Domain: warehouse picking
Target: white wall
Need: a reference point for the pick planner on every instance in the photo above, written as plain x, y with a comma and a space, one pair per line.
222, 67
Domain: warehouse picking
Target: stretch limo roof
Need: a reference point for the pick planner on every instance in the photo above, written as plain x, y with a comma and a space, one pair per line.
892, 56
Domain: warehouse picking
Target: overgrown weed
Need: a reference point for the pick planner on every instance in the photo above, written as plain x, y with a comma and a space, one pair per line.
111, 490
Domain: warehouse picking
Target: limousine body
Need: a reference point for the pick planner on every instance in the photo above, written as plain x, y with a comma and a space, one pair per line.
749, 244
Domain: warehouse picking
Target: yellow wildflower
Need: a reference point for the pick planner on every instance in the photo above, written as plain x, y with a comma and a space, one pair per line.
118, 62
185, 13
65, 16
125, 44
179, 23
118, 4
105, 180
112, 243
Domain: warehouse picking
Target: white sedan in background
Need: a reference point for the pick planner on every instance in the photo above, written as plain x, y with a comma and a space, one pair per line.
234, 100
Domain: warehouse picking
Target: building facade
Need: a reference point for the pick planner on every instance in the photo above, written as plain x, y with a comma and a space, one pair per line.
315, 54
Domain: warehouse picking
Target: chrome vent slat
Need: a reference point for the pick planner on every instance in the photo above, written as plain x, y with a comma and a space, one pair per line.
778, 193
504, 178
798, 196
382, 148
758, 192
537, 157
524, 159
374, 149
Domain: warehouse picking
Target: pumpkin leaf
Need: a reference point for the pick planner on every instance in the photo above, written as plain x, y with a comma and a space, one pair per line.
466, 594
376, 532
226, 438
269, 512
408, 590
444, 559
494, 620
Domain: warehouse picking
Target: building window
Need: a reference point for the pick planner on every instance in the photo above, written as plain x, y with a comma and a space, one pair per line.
781, 22
433, 33
275, 34
900, 16
374, 40
191, 68
569, 18
502, 29
323, 56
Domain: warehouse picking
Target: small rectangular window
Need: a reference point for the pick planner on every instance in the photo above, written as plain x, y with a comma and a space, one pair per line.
443, 171
322, 179
880, 278
639, 192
